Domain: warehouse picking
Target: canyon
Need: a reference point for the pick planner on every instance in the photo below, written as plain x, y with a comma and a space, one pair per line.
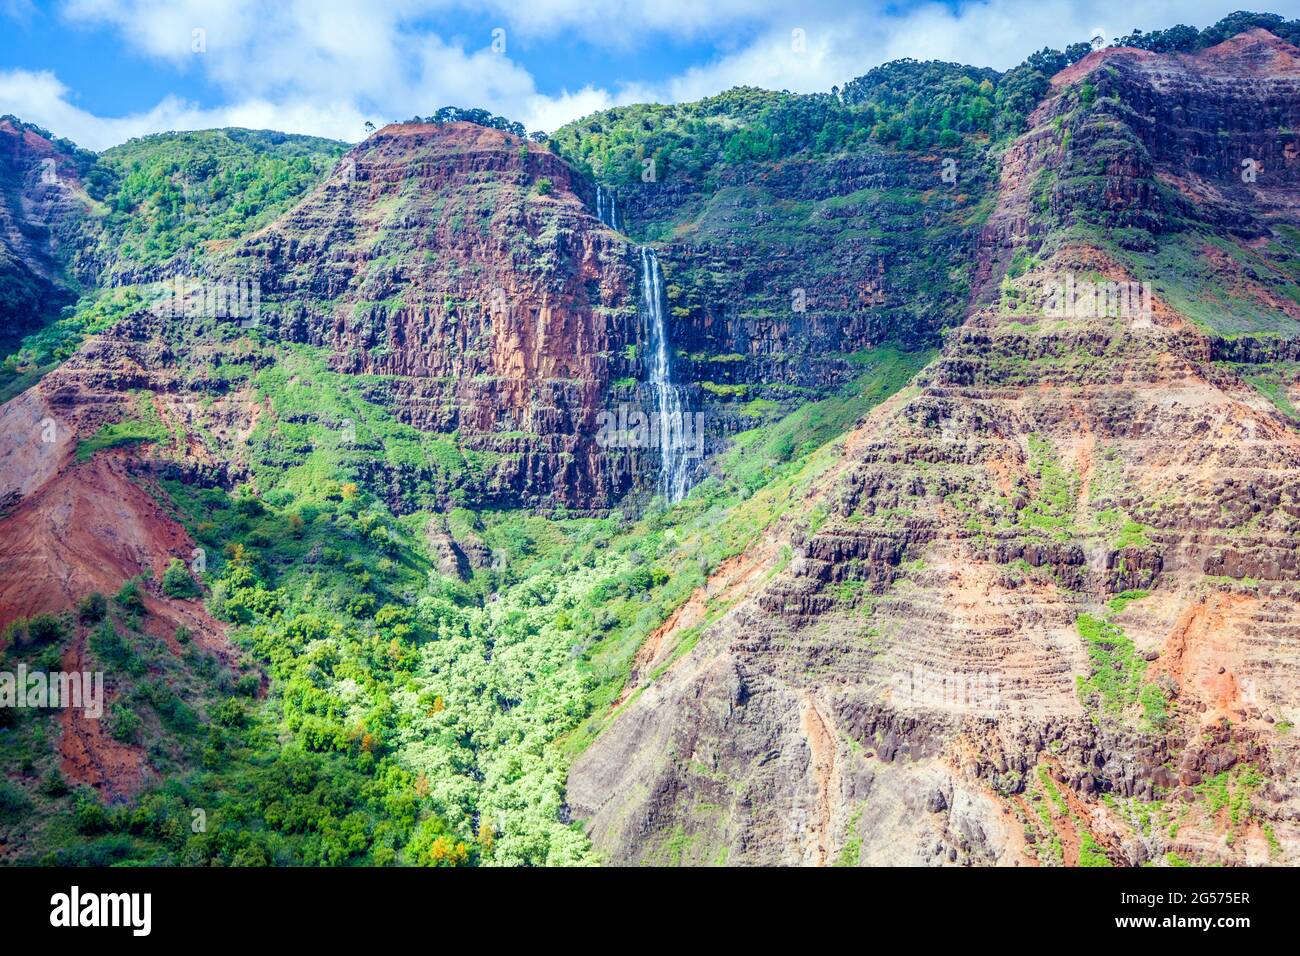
968, 573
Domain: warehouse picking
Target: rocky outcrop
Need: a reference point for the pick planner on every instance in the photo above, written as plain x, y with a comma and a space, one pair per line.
457, 274
455, 267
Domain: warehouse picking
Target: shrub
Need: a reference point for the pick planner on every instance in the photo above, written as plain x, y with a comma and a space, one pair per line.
13, 634
54, 785
230, 713
432, 845
115, 650
13, 802
44, 627
177, 582
249, 505
124, 724
249, 856
129, 596
90, 816
92, 608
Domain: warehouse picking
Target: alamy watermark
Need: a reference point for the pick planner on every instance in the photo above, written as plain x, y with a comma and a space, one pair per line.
237, 299
630, 426
1072, 298
945, 690
133, 911
76, 690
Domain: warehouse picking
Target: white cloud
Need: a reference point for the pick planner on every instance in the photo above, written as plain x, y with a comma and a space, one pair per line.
42, 99
843, 43
552, 112
326, 66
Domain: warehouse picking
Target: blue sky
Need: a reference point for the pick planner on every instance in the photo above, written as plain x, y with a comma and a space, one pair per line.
101, 71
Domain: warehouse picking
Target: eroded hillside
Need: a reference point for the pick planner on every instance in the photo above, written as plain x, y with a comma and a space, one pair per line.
1047, 611
988, 552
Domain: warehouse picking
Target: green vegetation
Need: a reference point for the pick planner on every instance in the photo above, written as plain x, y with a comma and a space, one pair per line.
410, 717
1185, 39
1124, 599
1132, 534
1044, 798
1053, 506
1114, 686
170, 198
851, 853
1274, 380
1049, 787
169, 194
759, 451
45, 349
904, 103
1227, 797
327, 430
1221, 284
176, 581
146, 427
1090, 854
479, 117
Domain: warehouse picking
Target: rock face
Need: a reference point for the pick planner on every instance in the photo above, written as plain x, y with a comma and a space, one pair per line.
1057, 577
1155, 144
1217, 125
462, 272
777, 274
72, 526
41, 206
456, 267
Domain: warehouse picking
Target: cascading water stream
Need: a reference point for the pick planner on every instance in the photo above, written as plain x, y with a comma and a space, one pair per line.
606, 207
670, 400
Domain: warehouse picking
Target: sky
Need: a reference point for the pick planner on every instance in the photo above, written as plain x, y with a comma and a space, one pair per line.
102, 71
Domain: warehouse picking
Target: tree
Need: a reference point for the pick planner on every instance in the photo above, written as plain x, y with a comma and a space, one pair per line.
177, 582
44, 627
129, 596
92, 608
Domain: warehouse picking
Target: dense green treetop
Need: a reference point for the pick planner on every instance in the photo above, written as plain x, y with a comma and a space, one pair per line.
164, 195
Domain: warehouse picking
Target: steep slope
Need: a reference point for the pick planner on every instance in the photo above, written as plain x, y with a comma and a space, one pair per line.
42, 205
1046, 608
453, 269
81, 512
468, 311
793, 236
174, 200
97, 235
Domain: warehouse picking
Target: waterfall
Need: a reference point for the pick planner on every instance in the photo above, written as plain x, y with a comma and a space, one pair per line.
670, 402
606, 207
